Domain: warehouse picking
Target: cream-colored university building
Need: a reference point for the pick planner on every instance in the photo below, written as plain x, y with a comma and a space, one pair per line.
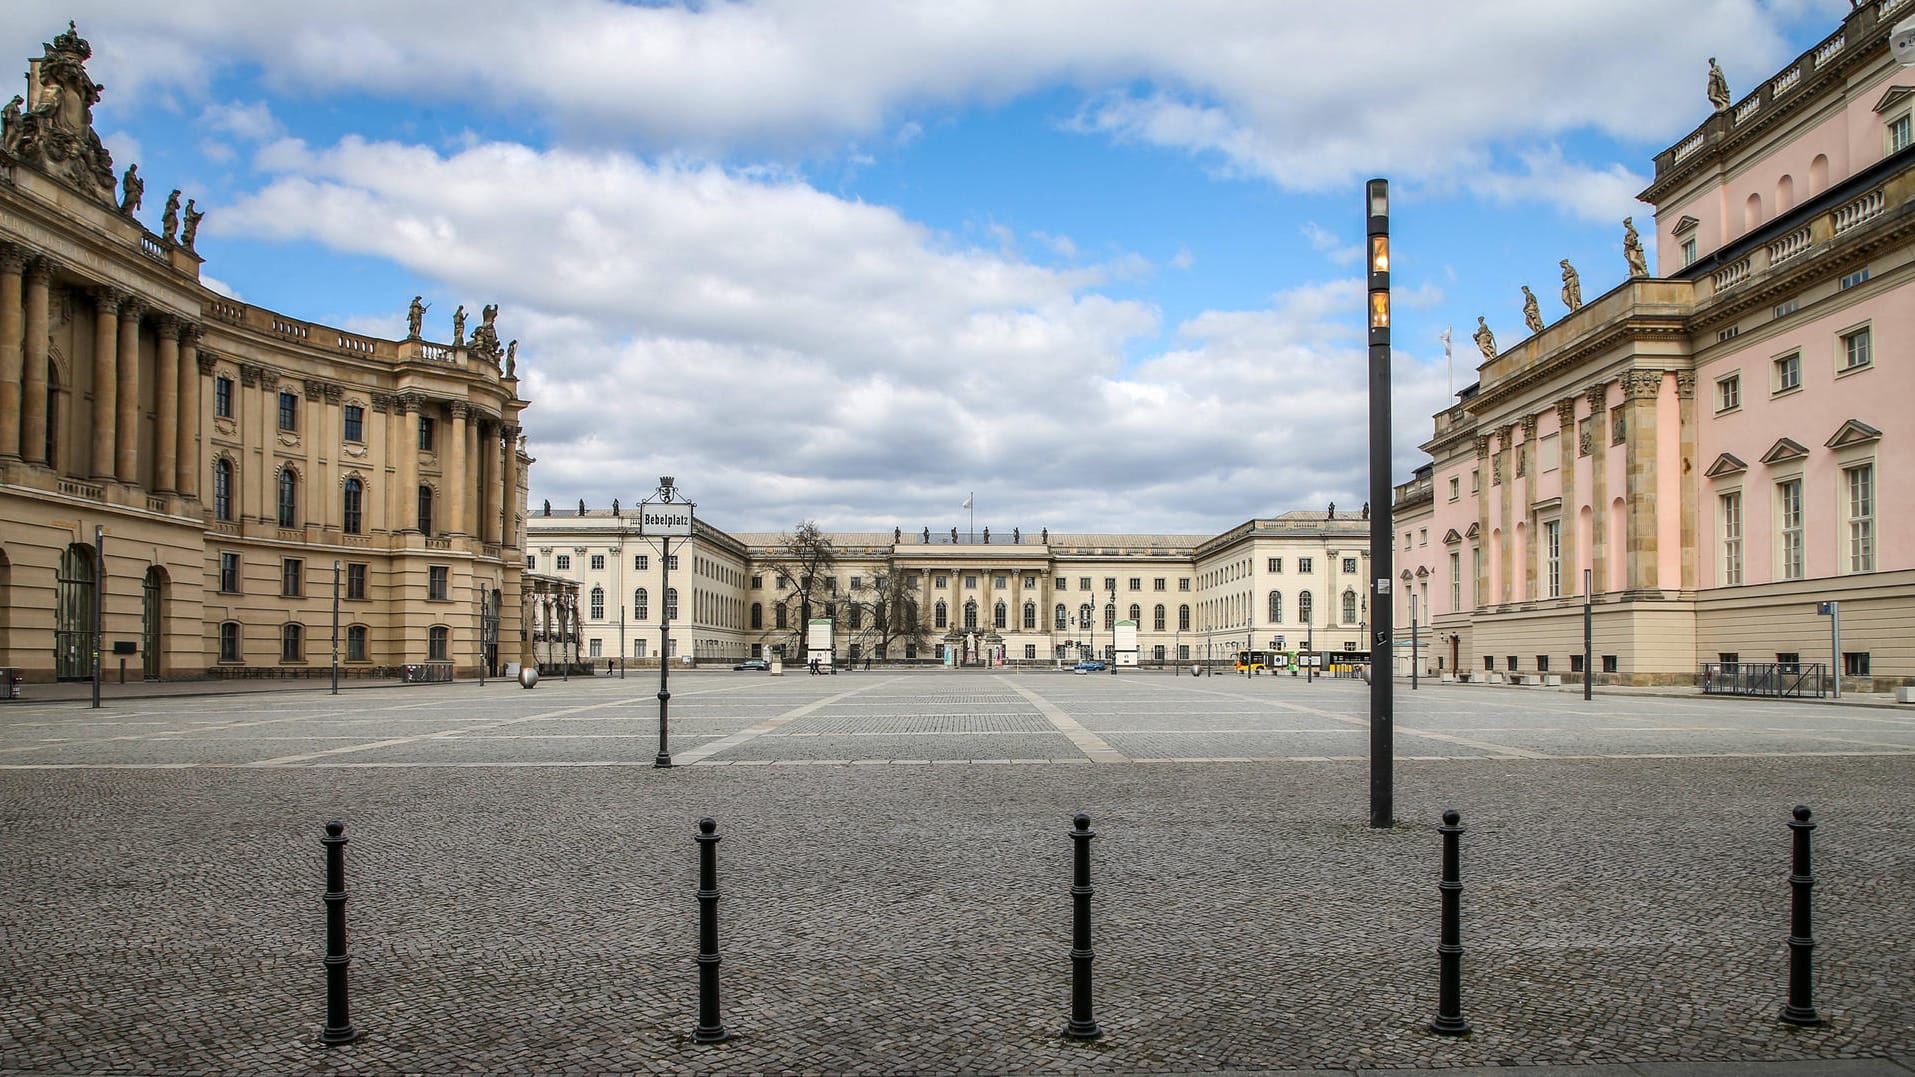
1717, 450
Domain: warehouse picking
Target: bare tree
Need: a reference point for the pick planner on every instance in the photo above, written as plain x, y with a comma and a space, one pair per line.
801, 567
885, 612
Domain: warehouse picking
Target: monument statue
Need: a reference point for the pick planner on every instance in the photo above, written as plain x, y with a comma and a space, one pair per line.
1046, 536
131, 188
1572, 287
1017, 537
927, 535
897, 535
1485, 340
954, 536
987, 536
1632, 249
548, 506
10, 123
191, 227
170, 217
512, 359
458, 327
1532, 314
1718, 87
485, 339
55, 133
415, 318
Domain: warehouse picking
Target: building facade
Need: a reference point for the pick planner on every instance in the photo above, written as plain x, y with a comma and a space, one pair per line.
979, 600
239, 467
1708, 455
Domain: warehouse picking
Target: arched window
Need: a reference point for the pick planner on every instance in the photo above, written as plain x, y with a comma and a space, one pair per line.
1183, 618
941, 615
1305, 609
292, 647
288, 497
641, 605
353, 503
757, 614
1276, 607
598, 603
782, 615
356, 643
1136, 613
425, 511
438, 644
1063, 620
1157, 617
229, 641
1000, 616
1110, 618
970, 613
223, 491
1349, 607
1030, 616
671, 603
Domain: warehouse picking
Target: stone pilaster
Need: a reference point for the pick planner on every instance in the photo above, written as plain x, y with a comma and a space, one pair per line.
188, 457
1506, 514
1529, 463
379, 491
255, 404
33, 358
1599, 485
166, 391
1566, 467
13, 264
489, 486
1642, 543
1482, 495
453, 469
1686, 416
106, 330
126, 420
408, 462
510, 486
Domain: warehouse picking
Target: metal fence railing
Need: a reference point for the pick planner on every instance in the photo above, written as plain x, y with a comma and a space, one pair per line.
1790, 680
425, 672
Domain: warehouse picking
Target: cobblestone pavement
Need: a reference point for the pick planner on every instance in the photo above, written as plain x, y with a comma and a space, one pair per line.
895, 870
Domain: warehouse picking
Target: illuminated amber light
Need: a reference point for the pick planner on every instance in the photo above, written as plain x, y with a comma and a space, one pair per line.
1379, 310
1379, 254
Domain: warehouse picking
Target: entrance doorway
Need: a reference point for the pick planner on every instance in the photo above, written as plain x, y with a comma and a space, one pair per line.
73, 615
152, 613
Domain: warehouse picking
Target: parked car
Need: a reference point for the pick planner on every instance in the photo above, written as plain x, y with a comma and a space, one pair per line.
1090, 665
754, 663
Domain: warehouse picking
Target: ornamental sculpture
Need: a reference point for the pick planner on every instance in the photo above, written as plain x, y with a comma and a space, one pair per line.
170, 217
1718, 87
1532, 314
191, 227
1632, 249
1485, 340
415, 316
55, 132
131, 188
1572, 287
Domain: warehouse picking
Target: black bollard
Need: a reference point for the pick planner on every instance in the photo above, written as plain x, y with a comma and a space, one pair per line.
1801, 1007
710, 1029
1082, 1026
1449, 951
338, 1020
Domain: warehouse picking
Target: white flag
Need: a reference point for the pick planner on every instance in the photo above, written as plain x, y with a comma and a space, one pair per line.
966, 505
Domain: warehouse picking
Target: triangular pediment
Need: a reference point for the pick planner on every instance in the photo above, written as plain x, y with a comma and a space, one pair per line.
1406, 575
1895, 96
1853, 432
1686, 224
1474, 530
1422, 571
1784, 449
1726, 464
1451, 538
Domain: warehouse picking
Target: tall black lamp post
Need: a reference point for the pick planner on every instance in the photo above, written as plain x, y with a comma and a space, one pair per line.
665, 515
1113, 626
1382, 549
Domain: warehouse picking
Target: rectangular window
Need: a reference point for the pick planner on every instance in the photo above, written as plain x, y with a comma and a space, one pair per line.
292, 643
1456, 581
290, 571
1063, 583
1729, 393
1475, 480
1549, 455
1542, 663
1158, 584
1083, 583
288, 411
565, 562
940, 581
1183, 585
757, 581
1855, 664
1787, 307
437, 577
1900, 133
671, 562
425, 432
1852, 279
1553, 557
1788, 518
1860, 481
356, 643
1304, 565
641, 562
1729, 333
1422, 536
229, 573
531, 561
970, 582
1855, 349
223, 397
1456, 488
1136, 583
1788, 372
1110, 583
356, 581
1276, 564
598, 562
1349, 565
355, 423
1609, 664
229, 641
1688, 252
595, 648
857, 583
1729, 512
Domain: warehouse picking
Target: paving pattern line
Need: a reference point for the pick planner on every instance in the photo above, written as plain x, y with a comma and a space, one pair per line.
446, 734
1500, 751
1094, 747
743, 736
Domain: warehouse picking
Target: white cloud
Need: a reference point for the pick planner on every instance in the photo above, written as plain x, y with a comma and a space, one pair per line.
246, 122
1331, 245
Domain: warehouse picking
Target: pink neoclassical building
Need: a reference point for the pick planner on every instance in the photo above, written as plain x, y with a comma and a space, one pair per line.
1720, 448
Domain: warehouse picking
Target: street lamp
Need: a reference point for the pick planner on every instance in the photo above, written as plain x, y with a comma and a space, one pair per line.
665, 515
1113, 626
1413, 662
1382, 526
1589, 636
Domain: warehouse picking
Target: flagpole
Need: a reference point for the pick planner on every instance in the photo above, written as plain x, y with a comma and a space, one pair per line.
970, 502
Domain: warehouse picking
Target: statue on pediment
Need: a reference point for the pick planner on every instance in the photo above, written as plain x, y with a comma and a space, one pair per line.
10, 123
1532, 313
132, 187
1718, 87
170, 217
55, 132
512, 359
415, 318
1485, 340
485, 339
191, 227
458, 327
1572, 287
1632, 249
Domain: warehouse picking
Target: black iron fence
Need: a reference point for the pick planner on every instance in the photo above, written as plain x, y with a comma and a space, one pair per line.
425, 672
1783, 680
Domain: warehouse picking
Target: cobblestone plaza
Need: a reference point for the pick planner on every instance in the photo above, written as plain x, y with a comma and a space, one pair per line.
895, 872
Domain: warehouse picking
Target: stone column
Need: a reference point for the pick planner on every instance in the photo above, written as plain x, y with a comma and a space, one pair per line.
33, 355
332, 468
1566, 466
1482, 495
408, 462
1686, 415
509, 453
194, 368
1640, 389
1529, 462
1599, 485
106, 325
126, 455
380, 488
316, 495
166, 393
489, 485
453, 468
13, 263
255, 474
1504, 466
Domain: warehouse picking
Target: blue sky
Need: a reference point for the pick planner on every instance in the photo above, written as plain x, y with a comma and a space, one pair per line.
852, 261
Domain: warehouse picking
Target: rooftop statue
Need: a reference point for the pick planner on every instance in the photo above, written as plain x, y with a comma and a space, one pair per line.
1632, 249
1532, 314
1572, 287
512, 359
191, 227
55, 133
415, 319
458, 327
131, 188
10, 123
170, 217
1718, 87
1485, 340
